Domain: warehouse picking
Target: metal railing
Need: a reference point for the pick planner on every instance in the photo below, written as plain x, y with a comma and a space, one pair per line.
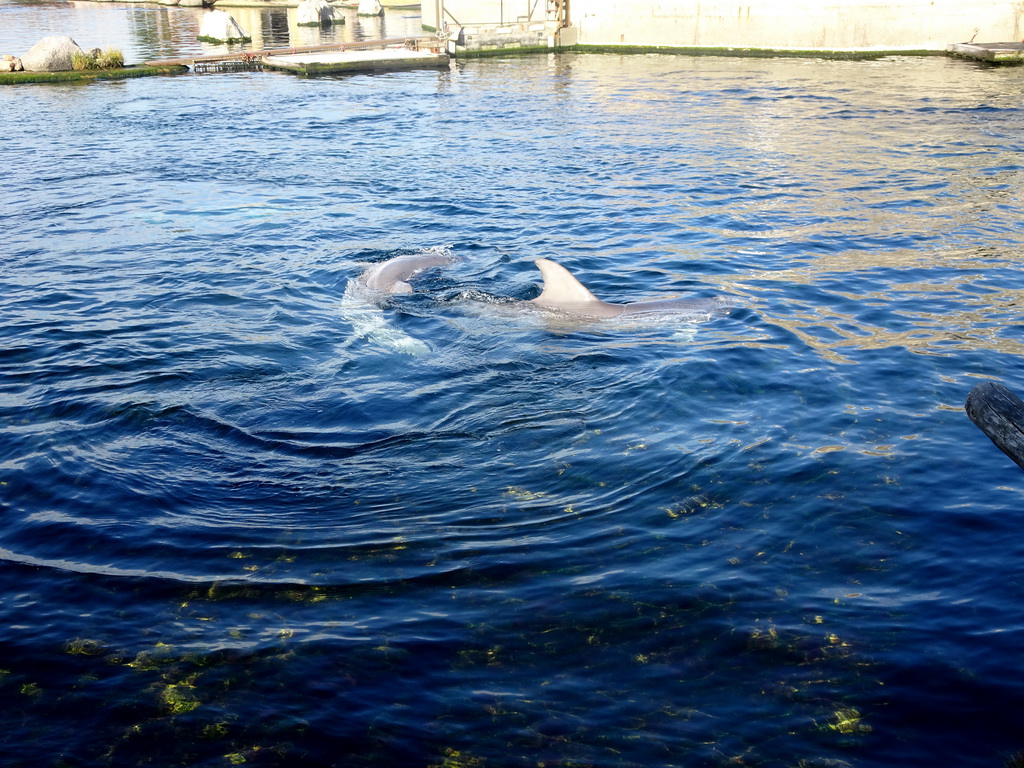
554, 10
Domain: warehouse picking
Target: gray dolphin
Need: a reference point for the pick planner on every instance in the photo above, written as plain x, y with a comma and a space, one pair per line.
564, 293
391, 276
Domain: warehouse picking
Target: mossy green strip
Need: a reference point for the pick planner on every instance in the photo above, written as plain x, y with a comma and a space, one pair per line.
763, 53
229, 41
463, 53
13, 78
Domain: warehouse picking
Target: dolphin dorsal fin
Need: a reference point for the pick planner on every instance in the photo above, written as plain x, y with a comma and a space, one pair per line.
561, 288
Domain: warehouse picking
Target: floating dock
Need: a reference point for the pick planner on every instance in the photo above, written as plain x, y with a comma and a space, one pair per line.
361, 56
994, 53
341, 61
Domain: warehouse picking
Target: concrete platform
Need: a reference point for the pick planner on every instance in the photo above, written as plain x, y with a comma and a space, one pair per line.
996, 53
333, 62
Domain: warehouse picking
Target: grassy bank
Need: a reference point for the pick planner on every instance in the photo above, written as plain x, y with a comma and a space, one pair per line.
76, 76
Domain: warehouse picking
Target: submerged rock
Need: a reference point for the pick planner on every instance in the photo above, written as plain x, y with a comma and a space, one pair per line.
51, 54
315, 13
370, 8
221, 27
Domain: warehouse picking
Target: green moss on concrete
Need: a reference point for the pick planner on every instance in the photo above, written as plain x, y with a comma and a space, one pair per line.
764, 53
13, 78
463, 53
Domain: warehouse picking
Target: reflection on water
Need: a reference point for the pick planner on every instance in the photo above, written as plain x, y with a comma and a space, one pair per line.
895, 301
151, 32
928, 186
159, 33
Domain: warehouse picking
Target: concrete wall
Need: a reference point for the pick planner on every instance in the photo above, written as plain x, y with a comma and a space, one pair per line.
827, 25
797, 24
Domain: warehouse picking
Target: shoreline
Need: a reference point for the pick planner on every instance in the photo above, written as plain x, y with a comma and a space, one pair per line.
87, 75
726, 52
495, 46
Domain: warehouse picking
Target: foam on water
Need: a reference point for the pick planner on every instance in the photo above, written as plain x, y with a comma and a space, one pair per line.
360, 308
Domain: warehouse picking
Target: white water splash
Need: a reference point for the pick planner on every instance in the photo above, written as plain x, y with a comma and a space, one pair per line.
361, 307
370, 322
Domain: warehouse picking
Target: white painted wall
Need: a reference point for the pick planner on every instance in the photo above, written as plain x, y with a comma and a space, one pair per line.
783, 24
797, 24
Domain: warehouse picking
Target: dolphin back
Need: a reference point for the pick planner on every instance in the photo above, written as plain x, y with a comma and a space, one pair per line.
392, 276
564, 293
709, 307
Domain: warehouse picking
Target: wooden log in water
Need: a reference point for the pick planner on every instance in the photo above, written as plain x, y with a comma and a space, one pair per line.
999, 414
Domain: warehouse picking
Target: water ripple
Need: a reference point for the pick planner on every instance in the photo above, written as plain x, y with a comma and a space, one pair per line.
250, 514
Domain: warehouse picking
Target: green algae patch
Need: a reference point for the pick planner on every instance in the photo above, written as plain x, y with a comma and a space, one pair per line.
77, 76
84, 647
179, 698
757, 53
228, 41
512, 50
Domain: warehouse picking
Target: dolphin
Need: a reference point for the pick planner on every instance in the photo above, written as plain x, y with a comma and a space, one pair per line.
361, 304
392, 276
564, 293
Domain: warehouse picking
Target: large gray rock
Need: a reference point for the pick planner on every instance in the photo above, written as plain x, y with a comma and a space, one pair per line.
221, 27
370, 8
317, 13
51, 54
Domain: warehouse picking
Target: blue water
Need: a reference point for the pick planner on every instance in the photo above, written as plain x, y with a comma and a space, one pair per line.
246, 518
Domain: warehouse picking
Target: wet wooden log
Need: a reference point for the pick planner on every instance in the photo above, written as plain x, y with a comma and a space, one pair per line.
999, 414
